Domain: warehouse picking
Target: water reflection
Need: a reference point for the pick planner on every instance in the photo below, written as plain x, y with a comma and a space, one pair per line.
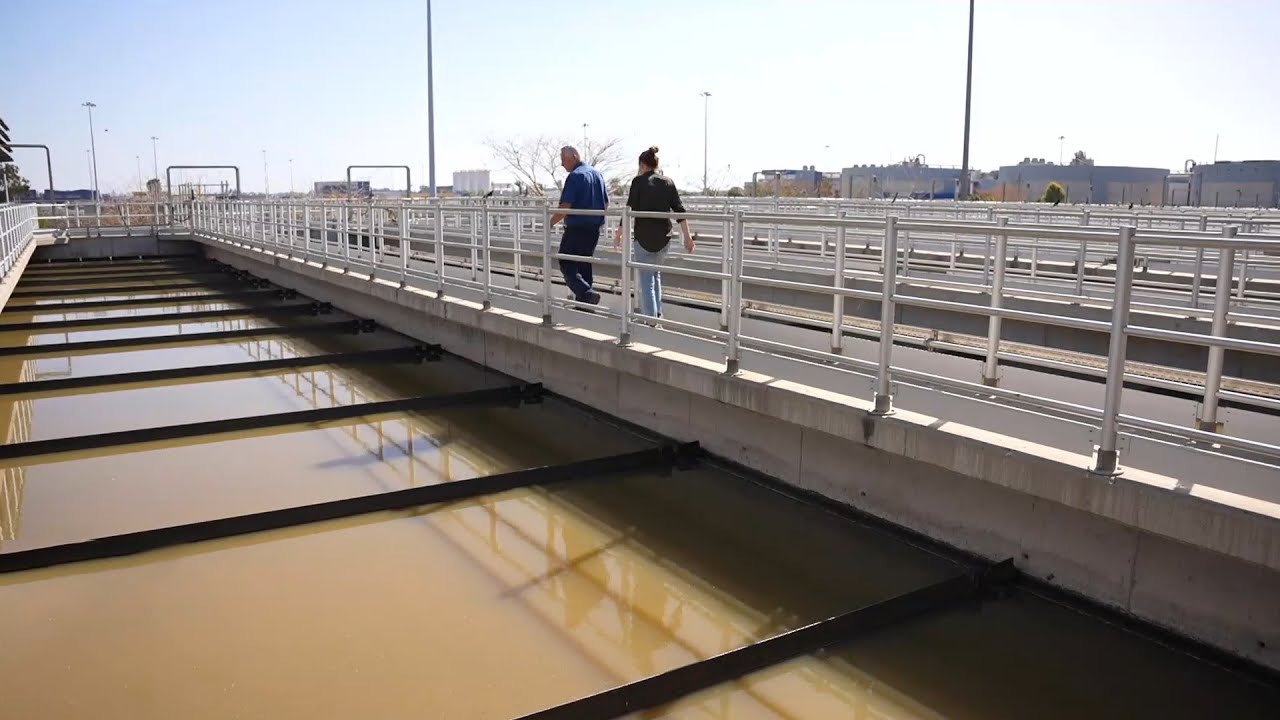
16, 416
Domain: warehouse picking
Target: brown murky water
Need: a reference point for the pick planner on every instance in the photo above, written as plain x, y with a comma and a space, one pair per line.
490, 608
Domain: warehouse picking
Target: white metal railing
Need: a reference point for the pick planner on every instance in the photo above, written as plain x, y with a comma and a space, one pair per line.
18, 225
412, 242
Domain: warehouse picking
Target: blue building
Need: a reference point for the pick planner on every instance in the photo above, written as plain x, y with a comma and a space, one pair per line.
1248, 183
1086, 183
905, 180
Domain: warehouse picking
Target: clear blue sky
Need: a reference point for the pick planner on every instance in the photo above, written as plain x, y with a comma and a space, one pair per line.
794, 82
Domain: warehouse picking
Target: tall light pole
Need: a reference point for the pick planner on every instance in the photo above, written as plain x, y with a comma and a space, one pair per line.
93, 150
968, 103
584, 137
266, 179
431, 112
290, 176
706, 102
155, 158
137, 161
1061, 138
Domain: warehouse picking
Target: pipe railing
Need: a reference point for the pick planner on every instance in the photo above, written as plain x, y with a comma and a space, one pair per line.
326, 232
18, 224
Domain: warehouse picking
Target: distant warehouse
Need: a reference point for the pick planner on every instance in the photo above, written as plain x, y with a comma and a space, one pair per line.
1083, 183
1248, 183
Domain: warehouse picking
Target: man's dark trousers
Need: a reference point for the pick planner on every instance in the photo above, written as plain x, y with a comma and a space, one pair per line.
579, 240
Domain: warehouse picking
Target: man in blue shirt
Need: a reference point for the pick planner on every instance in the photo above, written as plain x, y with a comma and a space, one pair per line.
584, 189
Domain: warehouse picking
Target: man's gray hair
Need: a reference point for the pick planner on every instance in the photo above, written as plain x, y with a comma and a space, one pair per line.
571, 151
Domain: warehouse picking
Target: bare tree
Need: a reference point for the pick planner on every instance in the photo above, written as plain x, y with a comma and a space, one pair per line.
535, 160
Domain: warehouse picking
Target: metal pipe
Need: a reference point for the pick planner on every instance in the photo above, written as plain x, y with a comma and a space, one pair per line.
990, 370
733, 361
624, 335
439, 249
431, 111
1208, 420
725, 229
1107, 461
968, 104
546, 266
487, 300
837, 303
404, 244
889, 261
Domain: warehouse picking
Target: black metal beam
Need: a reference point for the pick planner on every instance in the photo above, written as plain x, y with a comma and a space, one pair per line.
207, 373
663, 459
130, 344
122, 289
35, 451
118, 277
239, 295
672, 685
277, 311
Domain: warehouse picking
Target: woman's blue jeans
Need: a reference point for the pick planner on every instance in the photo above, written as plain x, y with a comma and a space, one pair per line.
650, 280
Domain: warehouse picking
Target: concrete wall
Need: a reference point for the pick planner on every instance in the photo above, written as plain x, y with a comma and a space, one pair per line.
1201, 562
117, 244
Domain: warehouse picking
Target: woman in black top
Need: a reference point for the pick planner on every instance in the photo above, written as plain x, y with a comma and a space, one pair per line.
651, 192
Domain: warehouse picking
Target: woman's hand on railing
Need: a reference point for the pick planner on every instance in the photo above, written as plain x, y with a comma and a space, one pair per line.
617, 238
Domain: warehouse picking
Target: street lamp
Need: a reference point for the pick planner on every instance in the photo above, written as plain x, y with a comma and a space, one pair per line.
968, 103
266, 179
584, 137
1061, 138
706, 100
93, 150
155, 159
137, 161
431, 112
290, 176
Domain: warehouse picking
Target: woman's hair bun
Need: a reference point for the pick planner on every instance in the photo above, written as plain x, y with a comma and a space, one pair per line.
653, 149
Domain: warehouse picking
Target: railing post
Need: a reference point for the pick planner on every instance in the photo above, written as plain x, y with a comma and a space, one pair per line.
472, 223
725, 229
345, 213
306, 231
439, 249
1083, 258
1107, 461
624, 335
1208, 419
889, 261
737, 249
487, 239
991, 369
404, 244
375, 243
986, 260
517, 253
1197, 277
546, 265
837, 302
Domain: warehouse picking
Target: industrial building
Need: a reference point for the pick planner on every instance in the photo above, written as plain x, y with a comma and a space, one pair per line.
471, 182
1083, 183
1247, 183
907, 180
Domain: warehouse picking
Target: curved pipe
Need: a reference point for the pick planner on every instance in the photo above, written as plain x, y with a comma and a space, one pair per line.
48, 161
1188, 166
